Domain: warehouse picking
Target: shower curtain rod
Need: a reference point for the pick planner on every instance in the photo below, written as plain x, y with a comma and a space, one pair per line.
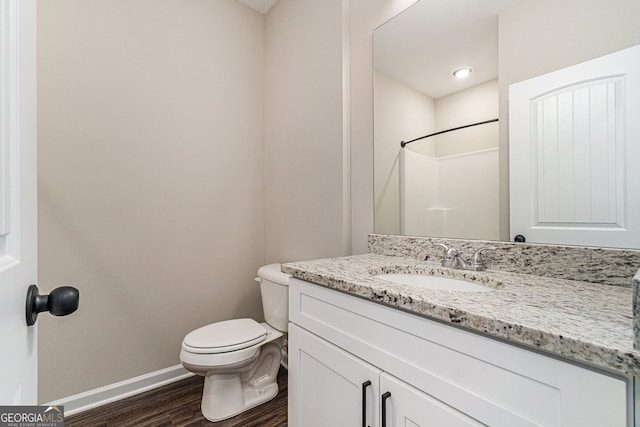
403, 143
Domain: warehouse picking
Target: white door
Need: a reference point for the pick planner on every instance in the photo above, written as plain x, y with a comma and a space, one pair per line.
18, 354
574, 154
327, 385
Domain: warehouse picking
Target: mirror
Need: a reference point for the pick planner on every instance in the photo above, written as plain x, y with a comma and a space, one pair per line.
456, 184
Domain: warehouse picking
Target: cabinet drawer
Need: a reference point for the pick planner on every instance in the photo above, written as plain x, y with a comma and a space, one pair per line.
494, 382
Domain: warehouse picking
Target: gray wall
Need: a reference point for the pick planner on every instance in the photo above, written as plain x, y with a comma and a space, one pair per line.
150, 140
305, 168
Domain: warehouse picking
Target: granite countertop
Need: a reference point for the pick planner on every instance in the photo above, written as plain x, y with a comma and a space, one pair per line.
585, 322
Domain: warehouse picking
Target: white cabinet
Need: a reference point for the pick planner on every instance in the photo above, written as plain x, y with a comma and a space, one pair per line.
332, 386
335, 388
436, 374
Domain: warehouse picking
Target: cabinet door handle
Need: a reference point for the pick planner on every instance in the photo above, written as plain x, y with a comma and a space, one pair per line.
384, 408
364, 402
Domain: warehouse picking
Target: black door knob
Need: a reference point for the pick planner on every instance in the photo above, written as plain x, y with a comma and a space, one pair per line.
60, 302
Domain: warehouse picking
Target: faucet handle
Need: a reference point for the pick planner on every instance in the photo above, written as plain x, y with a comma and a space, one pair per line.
448, 250
476, 259
446, 247
450, 255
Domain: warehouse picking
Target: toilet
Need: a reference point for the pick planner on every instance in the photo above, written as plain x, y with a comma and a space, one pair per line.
240, 358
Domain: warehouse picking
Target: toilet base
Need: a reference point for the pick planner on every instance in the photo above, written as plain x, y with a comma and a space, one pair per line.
228, 394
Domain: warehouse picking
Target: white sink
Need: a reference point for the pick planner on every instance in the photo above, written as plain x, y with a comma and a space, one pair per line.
433, 282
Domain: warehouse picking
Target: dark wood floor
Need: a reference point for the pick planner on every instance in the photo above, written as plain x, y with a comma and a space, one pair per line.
178, 404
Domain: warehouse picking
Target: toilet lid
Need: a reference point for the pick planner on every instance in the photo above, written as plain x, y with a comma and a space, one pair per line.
225, 336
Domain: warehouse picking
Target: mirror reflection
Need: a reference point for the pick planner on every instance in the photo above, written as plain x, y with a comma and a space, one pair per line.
430, 187
457, 184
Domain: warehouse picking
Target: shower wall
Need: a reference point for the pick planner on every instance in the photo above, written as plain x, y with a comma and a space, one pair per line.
453, 196
441, 186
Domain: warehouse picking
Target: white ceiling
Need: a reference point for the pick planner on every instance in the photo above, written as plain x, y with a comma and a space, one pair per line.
261, 6
423, 45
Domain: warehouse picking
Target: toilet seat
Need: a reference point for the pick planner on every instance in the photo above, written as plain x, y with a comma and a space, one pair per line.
225, 336
204, 360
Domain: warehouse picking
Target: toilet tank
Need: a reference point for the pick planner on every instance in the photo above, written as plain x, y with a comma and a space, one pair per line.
274, 287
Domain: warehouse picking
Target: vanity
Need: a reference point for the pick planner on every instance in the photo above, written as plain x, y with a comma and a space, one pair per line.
549, 342
552, 339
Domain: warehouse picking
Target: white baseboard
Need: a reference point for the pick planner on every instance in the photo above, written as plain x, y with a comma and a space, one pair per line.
112, 392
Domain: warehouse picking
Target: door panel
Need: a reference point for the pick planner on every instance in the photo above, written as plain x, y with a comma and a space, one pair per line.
574, 154
18, 359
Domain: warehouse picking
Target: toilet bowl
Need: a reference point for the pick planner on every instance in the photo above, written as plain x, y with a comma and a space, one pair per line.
240, 358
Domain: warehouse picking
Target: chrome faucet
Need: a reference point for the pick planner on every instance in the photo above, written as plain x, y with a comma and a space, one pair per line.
453, 259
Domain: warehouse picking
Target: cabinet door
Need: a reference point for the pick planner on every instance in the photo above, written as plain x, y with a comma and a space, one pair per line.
328, 386
407, 406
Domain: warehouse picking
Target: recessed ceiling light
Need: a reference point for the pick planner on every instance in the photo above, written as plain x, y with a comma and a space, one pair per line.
463, 72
